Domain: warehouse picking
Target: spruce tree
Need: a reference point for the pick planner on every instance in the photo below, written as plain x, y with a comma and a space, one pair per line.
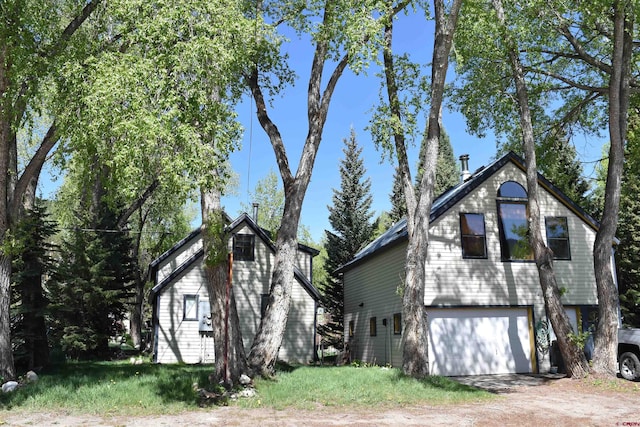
447, 172
350, 218
32, 261
398, 202
90, 290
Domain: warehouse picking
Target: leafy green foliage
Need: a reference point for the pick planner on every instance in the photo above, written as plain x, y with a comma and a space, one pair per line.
350, 218
269, 196
628, 251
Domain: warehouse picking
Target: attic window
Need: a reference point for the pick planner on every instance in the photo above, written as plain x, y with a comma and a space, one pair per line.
514, 227
244, 247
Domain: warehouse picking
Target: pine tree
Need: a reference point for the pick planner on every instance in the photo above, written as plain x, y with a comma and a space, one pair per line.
398, 202
91, 287
32, 262
350, 217
447, 172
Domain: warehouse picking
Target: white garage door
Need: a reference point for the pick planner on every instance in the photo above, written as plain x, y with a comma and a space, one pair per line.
479, 341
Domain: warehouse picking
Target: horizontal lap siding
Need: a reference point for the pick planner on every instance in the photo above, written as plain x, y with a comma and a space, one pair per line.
179, 340
457, 281
374, 284
176, 259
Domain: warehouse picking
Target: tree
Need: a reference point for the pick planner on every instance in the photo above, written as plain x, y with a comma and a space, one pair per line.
577, 56
628, 251
34, 39
269, 196
398, 201
343, 34
350, 218
394, 123
89, 291
447, 171
31, 262
572, 354
557, 160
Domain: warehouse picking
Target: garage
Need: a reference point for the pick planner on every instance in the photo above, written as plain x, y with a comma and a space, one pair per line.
478, 341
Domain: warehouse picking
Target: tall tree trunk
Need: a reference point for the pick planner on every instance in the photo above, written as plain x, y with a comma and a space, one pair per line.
573, 356
230, 359
606, 338
264, 351
7, 367
415, 355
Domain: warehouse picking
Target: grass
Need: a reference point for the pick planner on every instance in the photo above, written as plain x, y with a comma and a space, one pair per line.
120, 388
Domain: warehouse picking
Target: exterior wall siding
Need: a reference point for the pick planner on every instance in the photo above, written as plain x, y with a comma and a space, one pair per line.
370, 286
180, 341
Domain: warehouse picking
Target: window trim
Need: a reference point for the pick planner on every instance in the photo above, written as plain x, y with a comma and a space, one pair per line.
240, 255
567, 239
509, 200
351, 328
373, 327
483, 236
196, 299
397, 323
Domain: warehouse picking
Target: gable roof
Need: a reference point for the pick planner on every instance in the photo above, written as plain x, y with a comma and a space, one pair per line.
234, 225
397, 233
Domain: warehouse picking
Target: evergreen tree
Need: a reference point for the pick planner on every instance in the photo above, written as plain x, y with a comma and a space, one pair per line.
31, 262
447, 172
91, 287
398, 202
628, 251
350, 217
558, 161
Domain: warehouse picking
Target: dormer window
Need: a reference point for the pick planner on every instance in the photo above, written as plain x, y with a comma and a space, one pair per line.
513, 223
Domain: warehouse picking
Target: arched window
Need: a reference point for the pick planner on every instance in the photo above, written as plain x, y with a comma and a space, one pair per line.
513, 223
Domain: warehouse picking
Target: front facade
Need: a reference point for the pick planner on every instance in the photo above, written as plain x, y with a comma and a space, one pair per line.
483, 299
181, 311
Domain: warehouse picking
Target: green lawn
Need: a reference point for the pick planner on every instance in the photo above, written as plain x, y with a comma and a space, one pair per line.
123, 388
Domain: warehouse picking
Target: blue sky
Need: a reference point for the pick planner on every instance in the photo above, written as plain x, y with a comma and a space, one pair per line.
353, 99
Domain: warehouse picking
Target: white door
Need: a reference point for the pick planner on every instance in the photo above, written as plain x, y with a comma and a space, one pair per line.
479, 341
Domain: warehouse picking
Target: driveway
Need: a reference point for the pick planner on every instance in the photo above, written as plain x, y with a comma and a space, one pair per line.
505, 383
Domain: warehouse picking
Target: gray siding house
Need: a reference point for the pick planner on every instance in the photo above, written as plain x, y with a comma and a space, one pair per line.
485, 308
181, 312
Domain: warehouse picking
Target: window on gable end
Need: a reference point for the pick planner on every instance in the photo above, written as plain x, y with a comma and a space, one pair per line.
473, 235
513, 222
244, 247
558, 237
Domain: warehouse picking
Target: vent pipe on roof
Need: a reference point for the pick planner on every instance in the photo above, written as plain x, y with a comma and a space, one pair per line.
464, 163
255, 212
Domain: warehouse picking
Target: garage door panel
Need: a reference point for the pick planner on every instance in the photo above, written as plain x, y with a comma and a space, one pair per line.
479, 341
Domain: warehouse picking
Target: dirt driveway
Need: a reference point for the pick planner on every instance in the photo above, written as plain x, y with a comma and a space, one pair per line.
522, 401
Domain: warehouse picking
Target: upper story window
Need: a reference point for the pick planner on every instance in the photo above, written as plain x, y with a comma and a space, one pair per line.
558, 236
513, 223
474, 238
244, 247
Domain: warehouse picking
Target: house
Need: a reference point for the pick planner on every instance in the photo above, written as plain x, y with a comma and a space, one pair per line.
181, 313
485, 308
